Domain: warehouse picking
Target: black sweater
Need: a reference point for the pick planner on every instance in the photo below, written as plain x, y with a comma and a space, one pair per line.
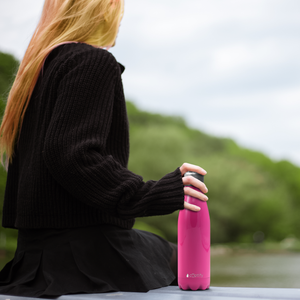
70, 164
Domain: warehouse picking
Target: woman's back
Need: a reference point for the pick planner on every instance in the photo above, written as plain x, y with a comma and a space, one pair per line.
77, 106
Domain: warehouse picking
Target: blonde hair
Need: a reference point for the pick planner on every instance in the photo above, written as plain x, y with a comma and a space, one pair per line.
94, 22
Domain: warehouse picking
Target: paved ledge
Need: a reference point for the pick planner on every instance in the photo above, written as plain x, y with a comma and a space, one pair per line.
174, 293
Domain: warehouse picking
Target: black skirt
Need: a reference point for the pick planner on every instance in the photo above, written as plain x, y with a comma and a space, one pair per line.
94, 259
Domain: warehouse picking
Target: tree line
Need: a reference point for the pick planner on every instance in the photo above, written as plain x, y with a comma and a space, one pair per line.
248, 192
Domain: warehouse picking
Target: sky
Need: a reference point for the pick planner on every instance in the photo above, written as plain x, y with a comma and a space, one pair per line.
230, 68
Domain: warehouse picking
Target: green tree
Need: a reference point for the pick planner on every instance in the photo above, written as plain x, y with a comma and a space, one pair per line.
248, 191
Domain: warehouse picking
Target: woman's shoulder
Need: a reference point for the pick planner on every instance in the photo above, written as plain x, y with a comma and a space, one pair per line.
71, 55
82, 51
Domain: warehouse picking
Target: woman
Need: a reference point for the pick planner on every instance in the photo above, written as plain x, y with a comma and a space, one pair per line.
69, 192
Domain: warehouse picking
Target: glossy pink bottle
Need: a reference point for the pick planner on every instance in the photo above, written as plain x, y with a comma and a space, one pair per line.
194, 244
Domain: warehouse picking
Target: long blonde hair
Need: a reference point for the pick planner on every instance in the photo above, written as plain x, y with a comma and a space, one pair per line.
95, 22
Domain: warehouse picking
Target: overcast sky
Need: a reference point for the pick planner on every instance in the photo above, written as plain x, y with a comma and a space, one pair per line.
229, 67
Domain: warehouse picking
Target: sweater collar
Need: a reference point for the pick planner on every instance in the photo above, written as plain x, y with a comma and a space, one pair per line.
122, 68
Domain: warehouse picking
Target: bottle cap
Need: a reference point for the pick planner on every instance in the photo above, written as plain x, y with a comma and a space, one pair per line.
194, 174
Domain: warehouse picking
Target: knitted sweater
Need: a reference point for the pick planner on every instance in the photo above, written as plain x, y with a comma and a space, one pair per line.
70, 163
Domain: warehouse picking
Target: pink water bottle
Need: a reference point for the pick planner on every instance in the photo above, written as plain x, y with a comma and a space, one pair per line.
194, 244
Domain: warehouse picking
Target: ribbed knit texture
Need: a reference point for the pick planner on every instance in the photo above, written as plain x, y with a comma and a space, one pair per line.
70, 165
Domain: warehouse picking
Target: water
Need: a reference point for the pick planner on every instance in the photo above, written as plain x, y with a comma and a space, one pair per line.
256, 270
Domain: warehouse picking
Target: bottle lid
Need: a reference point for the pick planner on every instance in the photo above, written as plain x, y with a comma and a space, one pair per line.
194, 174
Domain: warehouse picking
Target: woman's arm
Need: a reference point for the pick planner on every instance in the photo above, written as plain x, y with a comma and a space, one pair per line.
74, 149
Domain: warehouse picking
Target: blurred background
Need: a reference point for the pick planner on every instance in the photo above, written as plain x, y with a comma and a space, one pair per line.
214, 83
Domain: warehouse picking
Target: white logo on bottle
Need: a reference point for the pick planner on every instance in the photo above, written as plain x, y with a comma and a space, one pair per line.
193, 275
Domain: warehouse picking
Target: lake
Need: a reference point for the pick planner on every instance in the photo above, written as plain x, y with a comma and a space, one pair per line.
256, 270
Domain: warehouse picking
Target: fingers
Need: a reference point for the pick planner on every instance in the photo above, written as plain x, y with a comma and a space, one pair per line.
189, 167
191, 207
196, 194
190, 180
193, 193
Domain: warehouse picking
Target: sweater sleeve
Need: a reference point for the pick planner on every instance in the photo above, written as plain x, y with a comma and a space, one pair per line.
74, 147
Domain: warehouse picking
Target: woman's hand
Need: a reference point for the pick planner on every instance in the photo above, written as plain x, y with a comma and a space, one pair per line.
194, 182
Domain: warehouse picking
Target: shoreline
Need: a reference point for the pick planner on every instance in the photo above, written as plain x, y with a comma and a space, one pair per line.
255, 248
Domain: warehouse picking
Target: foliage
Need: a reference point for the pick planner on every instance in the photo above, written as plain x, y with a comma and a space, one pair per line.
248, 191
8, 67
